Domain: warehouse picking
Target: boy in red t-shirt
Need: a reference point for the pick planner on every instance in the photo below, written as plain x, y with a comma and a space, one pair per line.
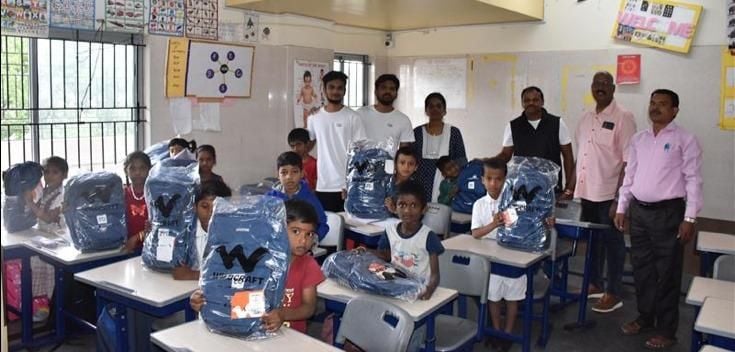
304, 274
300, 143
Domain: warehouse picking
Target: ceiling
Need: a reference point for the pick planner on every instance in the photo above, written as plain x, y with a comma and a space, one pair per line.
394, 15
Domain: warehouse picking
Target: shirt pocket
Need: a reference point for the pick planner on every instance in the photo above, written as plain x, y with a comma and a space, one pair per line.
604, 137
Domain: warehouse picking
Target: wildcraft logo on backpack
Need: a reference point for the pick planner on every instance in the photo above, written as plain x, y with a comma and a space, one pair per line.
167, 207
100, 192
522, 197
247, 263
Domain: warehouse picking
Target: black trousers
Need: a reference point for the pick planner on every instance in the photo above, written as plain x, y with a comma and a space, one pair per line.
331, 201
610, 247
657, 257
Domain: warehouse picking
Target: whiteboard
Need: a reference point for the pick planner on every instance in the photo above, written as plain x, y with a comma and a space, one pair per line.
446, 76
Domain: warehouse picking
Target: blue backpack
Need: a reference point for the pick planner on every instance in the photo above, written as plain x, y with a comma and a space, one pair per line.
245, 264
470, 187
17, 180
367, 182
157, 152
169, 197
94, 210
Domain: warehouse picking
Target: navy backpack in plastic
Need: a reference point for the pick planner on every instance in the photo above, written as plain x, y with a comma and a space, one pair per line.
469, 187
158, 151
245, 264
94, 210
169, 197
17, 180
368, 180
526, 201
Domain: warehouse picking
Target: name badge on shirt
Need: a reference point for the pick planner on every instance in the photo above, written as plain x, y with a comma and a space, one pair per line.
608, 125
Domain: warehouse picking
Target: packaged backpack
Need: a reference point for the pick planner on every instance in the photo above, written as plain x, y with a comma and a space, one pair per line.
469, 187
17, 180
169, 196
94, 210
246, 257
526, 202
369, 170
157, 152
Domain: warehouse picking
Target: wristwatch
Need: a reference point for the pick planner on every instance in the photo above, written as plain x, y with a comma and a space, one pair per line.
690, 220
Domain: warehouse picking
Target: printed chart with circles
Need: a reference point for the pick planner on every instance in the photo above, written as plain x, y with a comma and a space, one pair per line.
219, 71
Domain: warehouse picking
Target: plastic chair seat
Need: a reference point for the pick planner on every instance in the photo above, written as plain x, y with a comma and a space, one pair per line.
541, 285
453, 332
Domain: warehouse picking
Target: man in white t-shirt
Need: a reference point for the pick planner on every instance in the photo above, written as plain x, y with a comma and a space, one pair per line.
382, 121
540, 134
332, 129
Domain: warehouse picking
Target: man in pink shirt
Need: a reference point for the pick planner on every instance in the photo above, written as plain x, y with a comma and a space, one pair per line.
602, 136
662, 193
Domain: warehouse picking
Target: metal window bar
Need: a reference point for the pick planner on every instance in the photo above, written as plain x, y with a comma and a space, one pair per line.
357, 68
101, 120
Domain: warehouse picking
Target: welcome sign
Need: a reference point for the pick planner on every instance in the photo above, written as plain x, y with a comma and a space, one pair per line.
658, 23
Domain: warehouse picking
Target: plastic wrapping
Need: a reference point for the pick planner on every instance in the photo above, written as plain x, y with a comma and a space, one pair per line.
94, 211
245, 265
158, 151
18, 179
369, 168
169, 197
527, 200
364, 271
469, 187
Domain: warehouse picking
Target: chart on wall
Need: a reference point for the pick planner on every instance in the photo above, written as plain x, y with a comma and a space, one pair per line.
25, 18
125, 15
662, 24
74, 14
166, 17
201, 19
446, 76
219, 70
308, 93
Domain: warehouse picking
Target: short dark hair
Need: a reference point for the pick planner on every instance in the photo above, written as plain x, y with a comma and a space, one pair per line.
183, 143
307, 73
406, 151
137, 155
386, 78
532, 89
208, 149
442, 162
300, 210
496, 164
57, 162
435, 95
334, 75
213, 188
289, 159
674, 97
412, 188
607, 75
298, 135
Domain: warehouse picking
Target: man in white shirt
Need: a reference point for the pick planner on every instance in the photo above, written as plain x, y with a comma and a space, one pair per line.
382, 121
332, 129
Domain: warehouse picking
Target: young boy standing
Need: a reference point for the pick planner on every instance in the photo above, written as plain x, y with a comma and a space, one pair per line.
300, 143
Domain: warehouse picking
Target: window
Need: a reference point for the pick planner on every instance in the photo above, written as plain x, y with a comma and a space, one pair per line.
357, 68
74, 97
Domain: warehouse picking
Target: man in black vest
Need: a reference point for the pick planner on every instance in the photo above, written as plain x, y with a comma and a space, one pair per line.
540, 134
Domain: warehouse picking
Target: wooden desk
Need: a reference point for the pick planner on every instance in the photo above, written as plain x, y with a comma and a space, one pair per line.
195, 337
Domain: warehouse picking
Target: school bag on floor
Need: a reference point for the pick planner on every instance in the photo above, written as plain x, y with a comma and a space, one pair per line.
469, 187
17, 180
245, 264
369, 170
364, 271
169, 197
526, 201
94, 210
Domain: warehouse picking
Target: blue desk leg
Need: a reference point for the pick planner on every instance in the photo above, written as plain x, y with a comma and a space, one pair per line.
26, 303
528, 310
60, 314
696, 336
582, 322
430, 333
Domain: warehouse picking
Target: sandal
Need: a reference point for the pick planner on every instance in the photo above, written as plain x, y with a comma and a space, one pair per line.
633, 328
659, 343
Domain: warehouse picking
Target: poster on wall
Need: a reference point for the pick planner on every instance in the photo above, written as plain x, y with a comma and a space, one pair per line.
166, 17
25, 18
731, 26
125, 15
201, 19
727, 92
219, 71
74, 14
308, 94
446, 76
664, 24
177, 59
252, 25
629, 69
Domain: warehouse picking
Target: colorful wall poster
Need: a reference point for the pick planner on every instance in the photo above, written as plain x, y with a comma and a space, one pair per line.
308, 93
661, 24
201, 19
26, 18
629, 69
218, 70
125, 15
74, 14
166, 17
176, 62
727, 92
